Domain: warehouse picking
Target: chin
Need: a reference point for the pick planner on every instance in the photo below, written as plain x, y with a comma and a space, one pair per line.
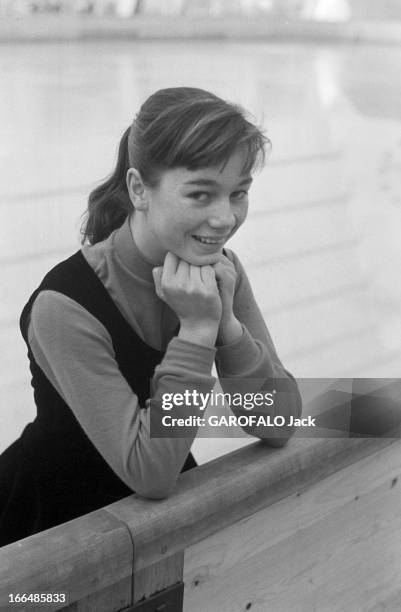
203, 260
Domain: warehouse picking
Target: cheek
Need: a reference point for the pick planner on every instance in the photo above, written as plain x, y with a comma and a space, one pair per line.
241, 214
176, 229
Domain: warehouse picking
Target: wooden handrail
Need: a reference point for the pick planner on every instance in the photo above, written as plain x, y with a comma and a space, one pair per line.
76, 558
108, 546
224, 491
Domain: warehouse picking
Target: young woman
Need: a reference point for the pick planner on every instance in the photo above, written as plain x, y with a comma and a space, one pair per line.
145, 308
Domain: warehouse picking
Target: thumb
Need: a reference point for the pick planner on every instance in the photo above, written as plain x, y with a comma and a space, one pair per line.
157, 276
217, 268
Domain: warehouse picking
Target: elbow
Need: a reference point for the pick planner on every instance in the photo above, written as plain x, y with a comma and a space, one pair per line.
146, 478
276, 442
155, 494
276, 438
280, 436
149, 484
156, 490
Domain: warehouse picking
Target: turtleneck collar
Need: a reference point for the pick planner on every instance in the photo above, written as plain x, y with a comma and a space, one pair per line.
130, 255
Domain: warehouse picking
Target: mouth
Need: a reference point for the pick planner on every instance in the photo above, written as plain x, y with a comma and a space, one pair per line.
210, 241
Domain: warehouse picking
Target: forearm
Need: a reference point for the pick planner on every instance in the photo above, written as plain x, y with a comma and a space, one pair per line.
202, 334
103, 402
278, 401
247, 366
186, 368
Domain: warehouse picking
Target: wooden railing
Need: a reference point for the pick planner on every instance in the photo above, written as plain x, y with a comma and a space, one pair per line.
313, 525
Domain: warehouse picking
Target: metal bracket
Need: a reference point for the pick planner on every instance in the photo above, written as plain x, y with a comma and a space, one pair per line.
168, 600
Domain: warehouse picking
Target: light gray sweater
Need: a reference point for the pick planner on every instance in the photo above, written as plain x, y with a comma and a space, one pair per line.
75, 352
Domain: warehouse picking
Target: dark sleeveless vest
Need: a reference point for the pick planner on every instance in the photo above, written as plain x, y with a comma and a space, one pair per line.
53, 473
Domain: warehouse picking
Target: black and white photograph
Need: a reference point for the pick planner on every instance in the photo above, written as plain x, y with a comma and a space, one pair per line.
200, 321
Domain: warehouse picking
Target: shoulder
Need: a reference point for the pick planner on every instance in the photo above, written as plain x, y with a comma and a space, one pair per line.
62, 271
58, 318
50, 304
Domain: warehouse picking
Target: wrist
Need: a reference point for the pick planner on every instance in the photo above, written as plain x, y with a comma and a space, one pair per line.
203, 333
229, 331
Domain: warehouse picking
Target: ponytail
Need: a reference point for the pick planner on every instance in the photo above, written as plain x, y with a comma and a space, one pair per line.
177, 127
109, 204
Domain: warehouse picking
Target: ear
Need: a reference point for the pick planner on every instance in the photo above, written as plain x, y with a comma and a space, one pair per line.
136, 189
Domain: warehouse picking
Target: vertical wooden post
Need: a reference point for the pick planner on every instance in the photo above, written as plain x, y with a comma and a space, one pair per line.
158, 576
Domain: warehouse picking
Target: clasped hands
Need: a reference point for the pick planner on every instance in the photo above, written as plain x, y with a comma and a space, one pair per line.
202, 298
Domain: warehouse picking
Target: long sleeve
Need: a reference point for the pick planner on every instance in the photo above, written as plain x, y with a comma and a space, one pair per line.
251, 363
76, 354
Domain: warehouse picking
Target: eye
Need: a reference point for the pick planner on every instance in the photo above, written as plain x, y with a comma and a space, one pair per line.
200, 196
239, 195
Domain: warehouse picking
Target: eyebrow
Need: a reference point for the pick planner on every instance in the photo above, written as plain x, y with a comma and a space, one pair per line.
246, 181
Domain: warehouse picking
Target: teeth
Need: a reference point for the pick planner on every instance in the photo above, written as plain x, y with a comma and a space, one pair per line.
206, 240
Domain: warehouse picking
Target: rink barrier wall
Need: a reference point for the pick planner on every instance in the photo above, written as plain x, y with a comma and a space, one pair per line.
258, 527
203, 27
301, 248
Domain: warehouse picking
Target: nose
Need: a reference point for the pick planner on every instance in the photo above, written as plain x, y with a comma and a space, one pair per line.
222, 216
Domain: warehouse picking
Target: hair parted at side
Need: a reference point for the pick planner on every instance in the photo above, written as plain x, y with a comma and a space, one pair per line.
175, 127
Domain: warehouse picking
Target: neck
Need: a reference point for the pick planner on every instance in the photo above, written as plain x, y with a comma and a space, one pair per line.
143, 241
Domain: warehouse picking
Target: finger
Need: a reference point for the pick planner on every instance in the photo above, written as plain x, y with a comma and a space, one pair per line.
195, 274
182, 272
157, 276
221, 258
218, 270
209, 277
207, 273
157, 272
170, 264
222, 267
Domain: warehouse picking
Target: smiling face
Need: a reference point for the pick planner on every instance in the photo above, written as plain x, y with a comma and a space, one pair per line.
191, 213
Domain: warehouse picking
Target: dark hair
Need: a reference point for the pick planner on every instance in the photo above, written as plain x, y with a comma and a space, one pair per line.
175, 127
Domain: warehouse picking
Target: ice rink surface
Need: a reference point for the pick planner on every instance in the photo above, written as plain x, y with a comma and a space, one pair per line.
322, 242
